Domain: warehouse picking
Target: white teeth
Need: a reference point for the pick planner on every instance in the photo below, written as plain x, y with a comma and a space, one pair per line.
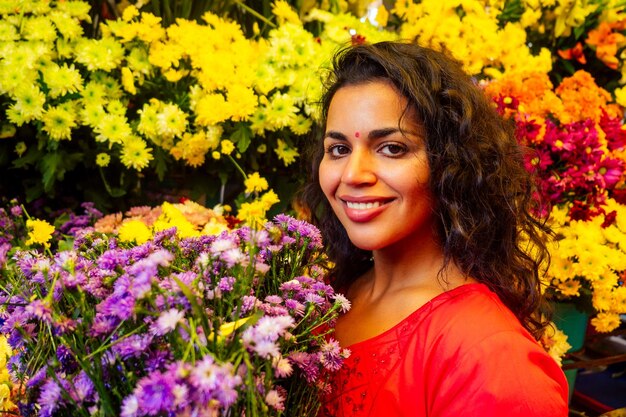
362, 206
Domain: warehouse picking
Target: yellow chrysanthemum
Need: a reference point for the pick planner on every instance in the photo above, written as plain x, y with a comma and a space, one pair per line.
212, 109
227, 147
29, 104
103, 159
58, 122
99, 54
284, 13
242, 101
214, 227
62, 80
20, 148
40, 232
555, 342
135, 153
255, 183
252, 213
171, 121
173, 217
113, 128
285, 153
134, 231
128, 80
606, 322
5, 384
130, 12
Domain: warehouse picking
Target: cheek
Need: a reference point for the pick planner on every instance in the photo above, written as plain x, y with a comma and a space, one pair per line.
328, 179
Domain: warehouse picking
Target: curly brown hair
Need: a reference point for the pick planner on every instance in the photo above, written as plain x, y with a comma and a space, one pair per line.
482, 191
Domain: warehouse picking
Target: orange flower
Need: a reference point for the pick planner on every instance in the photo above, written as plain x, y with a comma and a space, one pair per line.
574, 53
582, 99
533, 90
606, 42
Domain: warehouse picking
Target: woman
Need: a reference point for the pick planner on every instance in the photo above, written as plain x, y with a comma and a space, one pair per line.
420, 193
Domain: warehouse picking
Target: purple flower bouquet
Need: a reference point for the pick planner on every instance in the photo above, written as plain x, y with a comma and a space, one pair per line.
229, 325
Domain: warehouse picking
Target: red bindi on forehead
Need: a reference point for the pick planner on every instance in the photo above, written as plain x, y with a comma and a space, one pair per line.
357, 134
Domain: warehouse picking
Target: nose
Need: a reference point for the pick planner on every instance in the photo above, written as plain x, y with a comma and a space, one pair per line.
359, 169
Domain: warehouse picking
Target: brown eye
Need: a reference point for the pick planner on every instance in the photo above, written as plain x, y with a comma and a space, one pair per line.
393, 149
338, 150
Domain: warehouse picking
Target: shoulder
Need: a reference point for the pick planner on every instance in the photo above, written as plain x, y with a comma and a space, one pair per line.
479, 352
472, 312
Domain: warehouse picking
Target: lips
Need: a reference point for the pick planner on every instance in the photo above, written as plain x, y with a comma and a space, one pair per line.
363, 209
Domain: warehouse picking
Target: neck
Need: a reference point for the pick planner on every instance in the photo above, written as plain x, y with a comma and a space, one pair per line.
419, 266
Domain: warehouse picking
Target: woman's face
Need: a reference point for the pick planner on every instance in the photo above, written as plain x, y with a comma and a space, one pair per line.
375, 169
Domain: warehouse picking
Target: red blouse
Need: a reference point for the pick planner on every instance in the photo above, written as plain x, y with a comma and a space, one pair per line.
463, 353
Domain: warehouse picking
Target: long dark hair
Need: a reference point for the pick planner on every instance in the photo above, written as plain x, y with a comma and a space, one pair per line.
482, 191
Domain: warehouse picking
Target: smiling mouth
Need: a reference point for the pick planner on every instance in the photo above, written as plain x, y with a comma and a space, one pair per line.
363, 206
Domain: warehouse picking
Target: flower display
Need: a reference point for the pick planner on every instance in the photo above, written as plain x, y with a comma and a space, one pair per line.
576, 136
222, 324
589, 263
145, 98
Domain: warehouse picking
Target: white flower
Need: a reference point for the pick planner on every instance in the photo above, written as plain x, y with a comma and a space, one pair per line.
168, 320
275, 400
343, 302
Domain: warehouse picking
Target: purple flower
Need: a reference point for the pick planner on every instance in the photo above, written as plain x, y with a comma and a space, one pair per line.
130, 407
330, 356
273, 299
307, 363
39, 310
248, 303
103, 325
120, 306
132, 346
222, 244
215, 381
38, 378
113, 258
301, 229
49, 398
82, 388
157, 359
4, 249
16, 211
226, 283
66, 359
155, 394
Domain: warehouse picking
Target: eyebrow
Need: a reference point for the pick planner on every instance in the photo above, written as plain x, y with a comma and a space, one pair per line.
372, 135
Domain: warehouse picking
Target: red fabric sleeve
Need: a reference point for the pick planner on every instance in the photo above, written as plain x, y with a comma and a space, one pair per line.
504, 374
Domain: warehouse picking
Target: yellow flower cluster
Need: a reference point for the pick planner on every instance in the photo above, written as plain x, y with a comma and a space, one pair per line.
555, 342
5, 383
591, 256
469, 29
557, 16
39, 232
140, 224
253, 213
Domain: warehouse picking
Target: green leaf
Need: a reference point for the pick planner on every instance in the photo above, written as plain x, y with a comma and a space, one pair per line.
32, 156
242, 136
568, 66
579, 31
34, 192
52, 169
160, 164
67, 244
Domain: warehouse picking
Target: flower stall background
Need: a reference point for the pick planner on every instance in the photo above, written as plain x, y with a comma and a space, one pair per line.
160, 136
